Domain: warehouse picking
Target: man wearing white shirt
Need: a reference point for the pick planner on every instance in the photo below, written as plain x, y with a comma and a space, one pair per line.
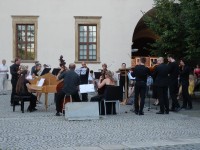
3, 76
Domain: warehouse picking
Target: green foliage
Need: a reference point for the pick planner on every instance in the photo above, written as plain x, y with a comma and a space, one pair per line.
176, 24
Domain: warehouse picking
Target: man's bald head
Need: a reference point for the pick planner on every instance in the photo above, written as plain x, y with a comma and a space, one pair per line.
160, 60
72, 66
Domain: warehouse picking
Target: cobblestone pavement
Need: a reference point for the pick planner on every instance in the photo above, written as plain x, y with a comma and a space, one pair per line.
43, 130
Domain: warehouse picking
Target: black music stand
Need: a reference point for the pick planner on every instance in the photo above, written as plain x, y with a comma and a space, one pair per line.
45, 71
97, 75
55, 71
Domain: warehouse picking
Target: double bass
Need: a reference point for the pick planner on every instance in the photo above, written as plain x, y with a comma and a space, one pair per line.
63, 69
61, 84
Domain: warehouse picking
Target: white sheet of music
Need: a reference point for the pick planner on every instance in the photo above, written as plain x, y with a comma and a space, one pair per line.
86, 88
41, 82
81, 71
130, 76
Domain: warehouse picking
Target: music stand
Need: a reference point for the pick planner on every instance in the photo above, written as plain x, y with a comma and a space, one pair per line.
97, 75
124, 72
45, 71
55, 71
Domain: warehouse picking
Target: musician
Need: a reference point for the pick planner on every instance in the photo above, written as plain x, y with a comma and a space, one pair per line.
37, 70
71, 86
14, 71
35, 74
122, 79
84, 72
33, 68
154, 90
173, 82
23, 89
103, 71
161, 82
102, 84
102, 77
141, 73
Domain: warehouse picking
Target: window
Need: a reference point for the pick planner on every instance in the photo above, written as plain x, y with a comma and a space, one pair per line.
87, 42
87, 36
25, 37
25, 43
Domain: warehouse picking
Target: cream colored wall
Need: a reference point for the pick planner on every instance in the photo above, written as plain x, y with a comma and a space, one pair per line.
56, 28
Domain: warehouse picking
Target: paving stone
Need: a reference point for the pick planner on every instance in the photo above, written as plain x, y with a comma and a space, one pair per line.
43, 130
114, 147
88, 148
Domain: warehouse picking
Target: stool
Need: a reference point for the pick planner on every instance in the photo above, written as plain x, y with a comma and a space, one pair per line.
67, 98
22, 99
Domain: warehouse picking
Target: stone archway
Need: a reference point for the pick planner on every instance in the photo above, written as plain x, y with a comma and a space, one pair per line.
142, 36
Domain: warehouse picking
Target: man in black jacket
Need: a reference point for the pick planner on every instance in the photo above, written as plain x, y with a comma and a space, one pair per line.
141, 73
71, 86
173, 82
161, 82
15, 71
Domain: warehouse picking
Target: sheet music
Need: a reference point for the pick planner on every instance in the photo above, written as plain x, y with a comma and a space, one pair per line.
87, 88
78, 71
41, 82
130, 76
81, 71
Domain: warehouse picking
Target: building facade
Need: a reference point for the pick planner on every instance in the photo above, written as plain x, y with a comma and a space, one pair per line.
94, 31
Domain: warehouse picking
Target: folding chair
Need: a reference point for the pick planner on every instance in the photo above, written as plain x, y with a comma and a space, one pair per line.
113, 94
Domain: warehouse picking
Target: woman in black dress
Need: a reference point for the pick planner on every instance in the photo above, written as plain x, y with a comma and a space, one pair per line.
23, 89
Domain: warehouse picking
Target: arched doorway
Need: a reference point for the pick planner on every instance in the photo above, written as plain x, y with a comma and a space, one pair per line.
142, 37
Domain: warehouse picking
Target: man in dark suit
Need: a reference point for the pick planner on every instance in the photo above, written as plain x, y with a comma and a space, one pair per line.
173, 82
141, 73
161, 82
14, 71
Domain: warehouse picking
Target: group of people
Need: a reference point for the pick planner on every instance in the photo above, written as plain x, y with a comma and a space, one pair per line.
165, 76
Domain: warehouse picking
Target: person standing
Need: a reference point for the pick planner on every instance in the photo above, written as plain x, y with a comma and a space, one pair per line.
123, 79
184, 80
173, 82
15, 71
161, 82
141, 73
84, 72
71, 86
3, 76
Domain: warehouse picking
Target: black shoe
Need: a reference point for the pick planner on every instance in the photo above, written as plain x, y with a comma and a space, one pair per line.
141, 113
34, 109
58, 114
160, 112
166, 112
136, 112
29, 109
177, 109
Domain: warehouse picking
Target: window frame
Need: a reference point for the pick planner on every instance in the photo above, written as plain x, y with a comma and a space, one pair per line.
87, 43
24, 20
82, 20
